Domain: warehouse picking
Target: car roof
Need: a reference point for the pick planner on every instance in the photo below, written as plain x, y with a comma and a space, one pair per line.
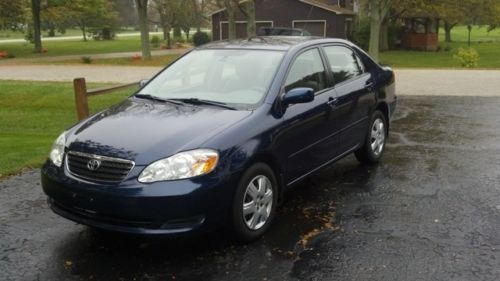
278, 43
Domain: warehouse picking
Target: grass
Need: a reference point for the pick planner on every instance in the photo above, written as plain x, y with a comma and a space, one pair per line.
33, 114
18, 34
486, 44
74, 47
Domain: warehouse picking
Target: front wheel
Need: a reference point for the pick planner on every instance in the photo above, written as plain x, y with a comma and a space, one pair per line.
374, 146
254, 203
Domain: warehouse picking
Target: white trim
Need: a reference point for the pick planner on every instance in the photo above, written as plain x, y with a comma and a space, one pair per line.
240, 21
223, 9
306, 21
321, 6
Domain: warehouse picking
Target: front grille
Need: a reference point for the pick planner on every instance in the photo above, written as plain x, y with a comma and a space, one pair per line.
109, 170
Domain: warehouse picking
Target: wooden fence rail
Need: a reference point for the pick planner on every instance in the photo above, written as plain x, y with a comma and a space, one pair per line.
82, 95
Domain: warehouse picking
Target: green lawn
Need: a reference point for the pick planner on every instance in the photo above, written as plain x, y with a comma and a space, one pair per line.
33, 114
75, 47
10, 34
486, 44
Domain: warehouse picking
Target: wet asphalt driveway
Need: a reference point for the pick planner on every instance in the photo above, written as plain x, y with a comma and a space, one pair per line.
429, 211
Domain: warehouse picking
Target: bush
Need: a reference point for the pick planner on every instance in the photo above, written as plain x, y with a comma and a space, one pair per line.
467, 57
179, 40
155, 41
200, 38
10, 55
105, 33
86, 59
29, 36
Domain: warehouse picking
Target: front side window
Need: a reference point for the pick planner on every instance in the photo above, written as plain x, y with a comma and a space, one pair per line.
344, 63
307, 71
226, 76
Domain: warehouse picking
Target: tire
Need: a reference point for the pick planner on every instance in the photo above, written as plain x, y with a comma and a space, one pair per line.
257, 192
375, 141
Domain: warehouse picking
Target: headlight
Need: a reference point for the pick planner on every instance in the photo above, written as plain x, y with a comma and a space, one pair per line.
182, 165
57, 152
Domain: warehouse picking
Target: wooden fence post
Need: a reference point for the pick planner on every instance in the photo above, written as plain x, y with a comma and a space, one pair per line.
81, 100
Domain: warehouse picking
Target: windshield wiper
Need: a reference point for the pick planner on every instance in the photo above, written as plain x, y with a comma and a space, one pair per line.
196, 101
155, 98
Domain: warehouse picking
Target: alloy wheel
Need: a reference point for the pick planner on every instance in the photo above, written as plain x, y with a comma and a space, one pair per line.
257, 202
377, 140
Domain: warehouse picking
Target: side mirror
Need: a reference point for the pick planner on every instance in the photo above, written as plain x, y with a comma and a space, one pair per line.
298, 95
143, 83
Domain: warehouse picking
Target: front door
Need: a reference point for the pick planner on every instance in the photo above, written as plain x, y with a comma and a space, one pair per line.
307, 128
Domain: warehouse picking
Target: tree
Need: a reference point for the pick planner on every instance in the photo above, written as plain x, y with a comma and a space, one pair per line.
142, 12
93, 14
55, 17
378, 11
12, 15
37, 33
451, 12
248, 9
126, 11
166, 10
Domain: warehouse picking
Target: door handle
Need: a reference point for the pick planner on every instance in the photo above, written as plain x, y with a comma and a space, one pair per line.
332, 102
369, 86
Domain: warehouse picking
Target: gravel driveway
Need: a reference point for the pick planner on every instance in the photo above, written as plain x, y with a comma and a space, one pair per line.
409, 81
429, 211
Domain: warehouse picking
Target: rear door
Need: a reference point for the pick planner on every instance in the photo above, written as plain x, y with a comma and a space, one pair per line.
355, 95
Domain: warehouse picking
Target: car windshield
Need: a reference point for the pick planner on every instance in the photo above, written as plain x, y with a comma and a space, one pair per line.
240, 77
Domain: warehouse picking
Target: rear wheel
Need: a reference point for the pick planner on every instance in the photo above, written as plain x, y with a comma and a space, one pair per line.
254, 203
374, 146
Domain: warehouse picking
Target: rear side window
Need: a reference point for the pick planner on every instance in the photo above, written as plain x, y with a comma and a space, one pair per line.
307, 71
344, 63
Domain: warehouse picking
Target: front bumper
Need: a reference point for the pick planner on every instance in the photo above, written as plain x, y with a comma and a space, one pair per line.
171, 207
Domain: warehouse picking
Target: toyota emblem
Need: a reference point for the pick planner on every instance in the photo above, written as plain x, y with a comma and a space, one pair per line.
93, 164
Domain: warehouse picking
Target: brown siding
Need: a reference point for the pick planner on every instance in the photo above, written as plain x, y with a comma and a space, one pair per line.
283, 13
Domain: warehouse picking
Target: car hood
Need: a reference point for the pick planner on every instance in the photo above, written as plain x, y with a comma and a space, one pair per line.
145, 131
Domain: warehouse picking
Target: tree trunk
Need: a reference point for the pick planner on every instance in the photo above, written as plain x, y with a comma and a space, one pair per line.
165, 32
447, 31
251, 25
37, 36
84, 32
230, 10
375, 23
169, 41
142, 11
384, 37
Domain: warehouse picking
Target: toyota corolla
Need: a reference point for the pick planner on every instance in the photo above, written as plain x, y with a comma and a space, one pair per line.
218, 136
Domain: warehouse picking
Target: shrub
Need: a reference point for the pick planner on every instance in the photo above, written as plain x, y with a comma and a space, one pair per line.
447, 48
10, 55
467, 57
200, 38
179, 40
155, 41
86, 59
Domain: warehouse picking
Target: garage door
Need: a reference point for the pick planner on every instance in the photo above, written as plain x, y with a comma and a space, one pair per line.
241, 28
316, 28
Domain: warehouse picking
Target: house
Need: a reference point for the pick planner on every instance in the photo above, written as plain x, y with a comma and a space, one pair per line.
325, 18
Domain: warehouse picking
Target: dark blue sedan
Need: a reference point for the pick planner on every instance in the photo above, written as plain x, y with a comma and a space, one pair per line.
217, 137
